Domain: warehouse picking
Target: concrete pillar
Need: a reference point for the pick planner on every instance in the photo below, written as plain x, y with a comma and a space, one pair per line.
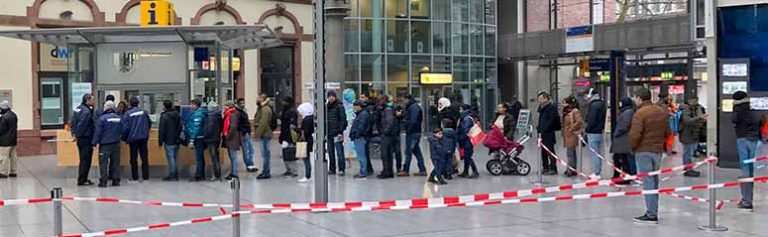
335, 11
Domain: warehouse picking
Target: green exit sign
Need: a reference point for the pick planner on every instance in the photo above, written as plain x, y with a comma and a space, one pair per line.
667, 75
605, 77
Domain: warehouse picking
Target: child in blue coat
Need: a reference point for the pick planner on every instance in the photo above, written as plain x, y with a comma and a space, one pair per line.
438, 154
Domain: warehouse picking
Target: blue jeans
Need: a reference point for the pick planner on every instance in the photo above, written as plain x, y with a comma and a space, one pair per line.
248, 150
632, 164
200, 158
412, 148
233, 161
360, 149
171, 154
439, 167
336, 154
747, 150
266, 155
649, 162
307, 168
596, 143
688, 150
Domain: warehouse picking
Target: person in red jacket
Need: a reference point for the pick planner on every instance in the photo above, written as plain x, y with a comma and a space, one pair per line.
233, 139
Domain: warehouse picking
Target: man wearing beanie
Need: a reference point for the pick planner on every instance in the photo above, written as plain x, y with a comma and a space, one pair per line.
8, 127
747, 126
336, 123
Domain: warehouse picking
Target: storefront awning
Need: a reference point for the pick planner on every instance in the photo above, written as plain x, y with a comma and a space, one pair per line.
235, 37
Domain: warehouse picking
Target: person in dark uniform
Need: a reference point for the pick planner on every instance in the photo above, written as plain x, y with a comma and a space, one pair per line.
83, 128
549, 123
136, 134
109, 128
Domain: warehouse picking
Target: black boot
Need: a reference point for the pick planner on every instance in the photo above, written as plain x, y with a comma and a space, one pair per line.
441, 181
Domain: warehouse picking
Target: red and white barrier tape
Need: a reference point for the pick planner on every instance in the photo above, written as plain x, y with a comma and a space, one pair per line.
561, 161
424, 206
602, 157
418, 201
761, 158
720, 203
19, 202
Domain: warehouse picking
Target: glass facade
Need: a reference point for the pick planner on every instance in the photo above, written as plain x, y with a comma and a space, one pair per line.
388, 43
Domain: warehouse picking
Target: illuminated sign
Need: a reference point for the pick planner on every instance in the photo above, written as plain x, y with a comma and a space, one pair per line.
436, 78
667, 76
157, 13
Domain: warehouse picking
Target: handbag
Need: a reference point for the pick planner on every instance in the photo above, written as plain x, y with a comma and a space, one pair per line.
301, 150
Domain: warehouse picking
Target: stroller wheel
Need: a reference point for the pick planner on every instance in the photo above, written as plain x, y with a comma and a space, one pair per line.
494, 167
523, 168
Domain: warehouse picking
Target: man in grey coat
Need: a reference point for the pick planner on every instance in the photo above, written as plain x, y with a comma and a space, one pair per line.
620, 144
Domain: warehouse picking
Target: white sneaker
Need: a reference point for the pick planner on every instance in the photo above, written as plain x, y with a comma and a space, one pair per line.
251, 167
304, 180
594, 177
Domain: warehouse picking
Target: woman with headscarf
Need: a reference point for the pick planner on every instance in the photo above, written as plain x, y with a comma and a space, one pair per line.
573, 122
307, 125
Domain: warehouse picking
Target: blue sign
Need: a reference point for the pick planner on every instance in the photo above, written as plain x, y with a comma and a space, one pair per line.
577, 31
599, 65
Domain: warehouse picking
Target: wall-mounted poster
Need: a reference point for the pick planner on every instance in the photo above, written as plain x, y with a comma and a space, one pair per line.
759, 103
735, 70
730, 87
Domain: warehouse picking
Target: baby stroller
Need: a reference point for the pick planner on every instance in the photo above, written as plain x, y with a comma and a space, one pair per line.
505, 154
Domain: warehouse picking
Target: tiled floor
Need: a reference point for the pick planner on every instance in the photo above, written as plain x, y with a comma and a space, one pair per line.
604, 217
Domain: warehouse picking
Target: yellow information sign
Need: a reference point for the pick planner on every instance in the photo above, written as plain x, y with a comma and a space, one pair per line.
157, 13
436, 78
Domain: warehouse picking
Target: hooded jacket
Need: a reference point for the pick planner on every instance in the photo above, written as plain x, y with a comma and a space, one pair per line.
9, 123
745, 122
195, 124
596, 114
245, 124
170, 128
414, 117
288, 121
212, 127
572, 125
84, 124
233, 138
692, 126
109, 128
337, 118
307, 124
549, 119
136, 125
390, 125
449, 136
437, 148
467, 122
262, 120
620, 144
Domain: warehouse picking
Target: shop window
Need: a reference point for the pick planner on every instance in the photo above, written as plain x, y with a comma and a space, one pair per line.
397, 91
51, 101
460, 10
441, 38
372, 36
371, 8
372, 68
460, 36
277, 71
420, 9
442, 64
477, 70
397, 68
477, 32
477, 11
420, 64
420, 37
460, 69
397, 8
441, 10
351, 35
397, 36
352, 67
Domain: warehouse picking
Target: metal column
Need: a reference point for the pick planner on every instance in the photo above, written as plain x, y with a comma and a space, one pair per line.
320, 169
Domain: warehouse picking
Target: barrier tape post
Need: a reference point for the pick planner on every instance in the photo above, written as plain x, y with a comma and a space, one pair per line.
540, 164
56, 195
235, 183
712, 227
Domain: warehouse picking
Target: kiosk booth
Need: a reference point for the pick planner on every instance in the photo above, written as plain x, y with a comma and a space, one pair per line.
154, 64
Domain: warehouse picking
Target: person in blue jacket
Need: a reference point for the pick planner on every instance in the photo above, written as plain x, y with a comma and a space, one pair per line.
467, 122
107, 135
83, 128
359, 133
414, 117
195, 125
438, 154
136, 134
449, 144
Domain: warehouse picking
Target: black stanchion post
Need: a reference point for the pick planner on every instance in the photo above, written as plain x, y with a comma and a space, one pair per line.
235, 184
56, 194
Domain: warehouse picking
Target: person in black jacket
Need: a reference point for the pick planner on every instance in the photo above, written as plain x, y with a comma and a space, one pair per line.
169, 136
9, 125
212, 135
747, 126
414, 116
307, 112
596, 112
549, 123
245, 129
374, 118
359, 134
438, 153
336, 123
390, 130
83, 128
107, 137
505, 121
288, 136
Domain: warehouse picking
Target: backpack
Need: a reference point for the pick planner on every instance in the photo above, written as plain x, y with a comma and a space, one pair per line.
273, 120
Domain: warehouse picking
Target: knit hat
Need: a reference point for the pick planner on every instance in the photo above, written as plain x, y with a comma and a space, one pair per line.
109, 105
360, 103
331, 93
739, 95
4, 105
110, 98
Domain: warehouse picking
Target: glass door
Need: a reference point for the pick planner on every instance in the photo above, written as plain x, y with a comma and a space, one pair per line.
52, 101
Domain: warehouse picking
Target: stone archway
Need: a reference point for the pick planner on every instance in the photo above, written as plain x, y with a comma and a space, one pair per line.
33, 14
214, 7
